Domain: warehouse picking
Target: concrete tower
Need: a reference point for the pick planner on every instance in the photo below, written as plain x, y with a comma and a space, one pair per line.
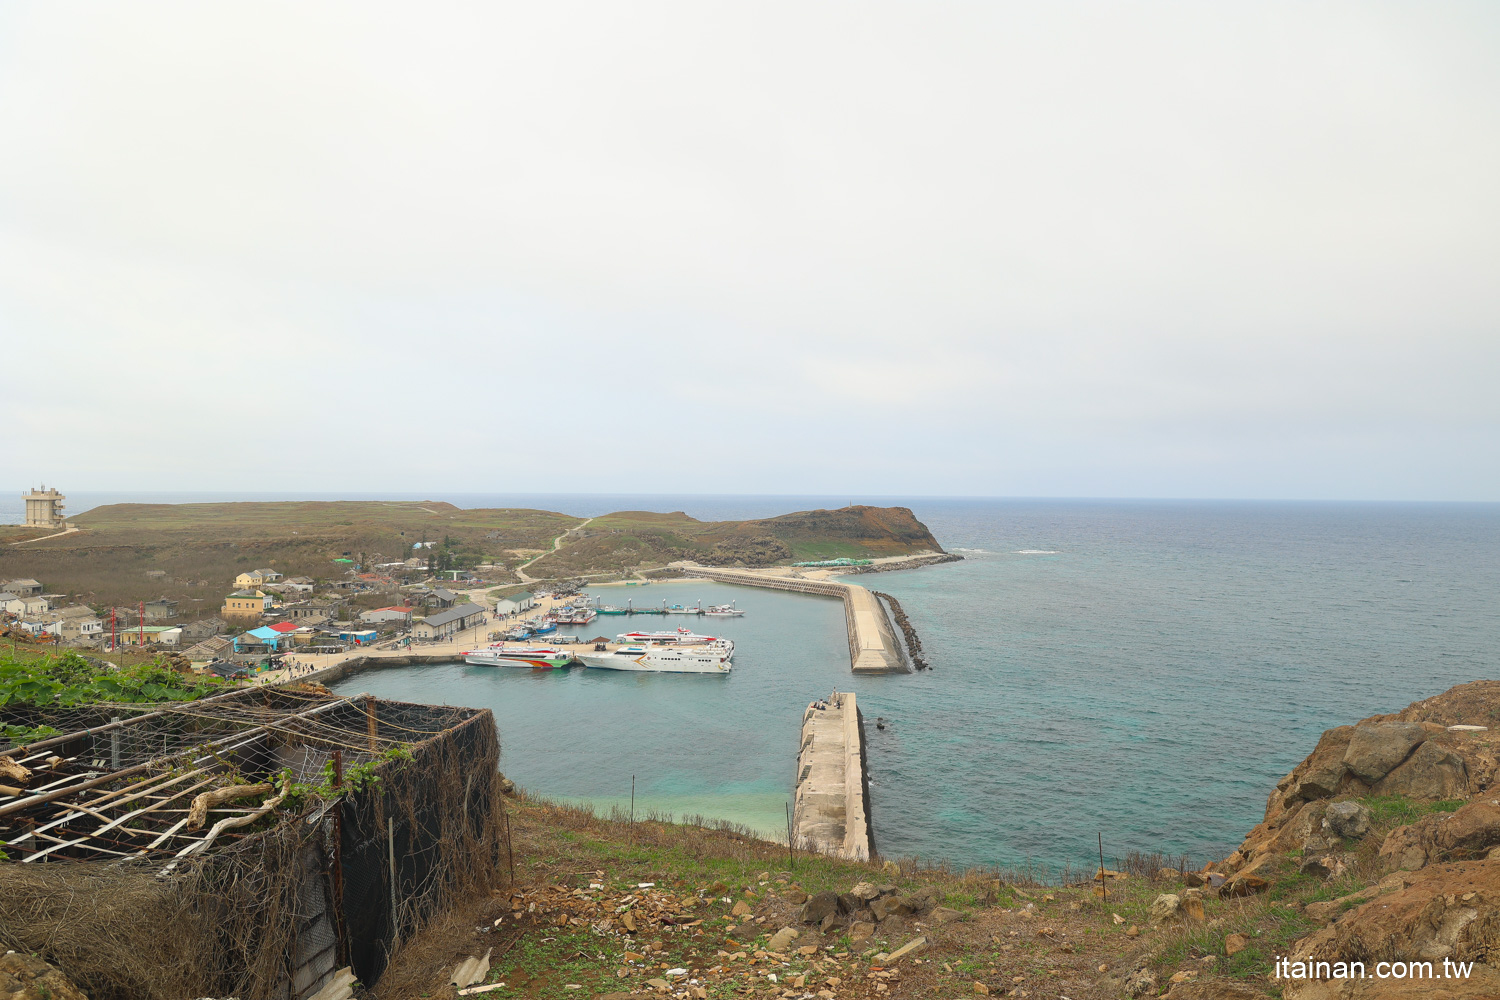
44, 508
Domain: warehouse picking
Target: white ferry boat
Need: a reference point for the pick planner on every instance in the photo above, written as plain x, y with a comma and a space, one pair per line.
533, 657
724, 611
661, 659
680, 637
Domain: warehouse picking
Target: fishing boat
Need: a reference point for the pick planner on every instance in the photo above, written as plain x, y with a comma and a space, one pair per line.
534, 657
518, 634
724, 611
610, 609
542, 628
661, 659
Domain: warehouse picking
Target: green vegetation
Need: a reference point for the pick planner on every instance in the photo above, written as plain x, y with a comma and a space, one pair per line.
356, 778
1397, 810
68, 680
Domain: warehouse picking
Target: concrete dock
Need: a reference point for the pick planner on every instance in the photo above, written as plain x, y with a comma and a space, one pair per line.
874, 647
830, 815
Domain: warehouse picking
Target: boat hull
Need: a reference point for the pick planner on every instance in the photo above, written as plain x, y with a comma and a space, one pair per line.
496, 658
658, 662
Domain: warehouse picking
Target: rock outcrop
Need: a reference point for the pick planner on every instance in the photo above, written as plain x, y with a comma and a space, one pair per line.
23, 977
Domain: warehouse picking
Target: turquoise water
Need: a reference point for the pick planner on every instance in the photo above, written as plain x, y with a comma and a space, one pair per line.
1147, 670
711, 745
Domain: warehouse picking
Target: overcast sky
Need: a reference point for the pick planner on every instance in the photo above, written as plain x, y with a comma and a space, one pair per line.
1177, 250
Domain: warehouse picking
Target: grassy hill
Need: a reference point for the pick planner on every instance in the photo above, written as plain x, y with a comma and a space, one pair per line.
125, 553
198, 549
643, 540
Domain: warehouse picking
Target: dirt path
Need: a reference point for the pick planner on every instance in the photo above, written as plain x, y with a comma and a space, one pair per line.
520, 570
28, 541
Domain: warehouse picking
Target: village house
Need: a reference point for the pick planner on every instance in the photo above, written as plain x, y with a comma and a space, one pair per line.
158, 635
271, 637
203, 653
391, 614
78, 625
201, 629
515, 603
22, 588
161, 609
446, 624
244, 604
249, 579
23, 606
297, 585
311, 609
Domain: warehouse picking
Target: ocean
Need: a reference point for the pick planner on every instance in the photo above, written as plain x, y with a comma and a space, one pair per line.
1144, 670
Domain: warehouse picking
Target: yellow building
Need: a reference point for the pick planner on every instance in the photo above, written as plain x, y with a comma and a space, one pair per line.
246, 581
244, 604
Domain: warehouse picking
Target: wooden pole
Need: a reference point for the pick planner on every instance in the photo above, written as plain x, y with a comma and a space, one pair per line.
632, 808
371, 730
791, 862
1103, 887
390, 833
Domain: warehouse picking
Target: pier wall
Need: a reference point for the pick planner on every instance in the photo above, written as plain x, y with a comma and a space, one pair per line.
830, 814
873, 646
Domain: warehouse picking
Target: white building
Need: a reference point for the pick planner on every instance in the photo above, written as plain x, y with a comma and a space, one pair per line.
515, 603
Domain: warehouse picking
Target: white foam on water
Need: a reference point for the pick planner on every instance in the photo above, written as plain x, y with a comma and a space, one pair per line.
1037, 552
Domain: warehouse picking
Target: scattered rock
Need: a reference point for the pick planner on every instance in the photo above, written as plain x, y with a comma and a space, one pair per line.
943, 915
742, 909
1374, 751
794, 896
1430, 773
860, 930
818, 908
1350, 820
507, 787
830, 923
981, 989
1444, 911
1191, 906
23, 977
1320, 774
1165, 908
864, 891
1470, 832
1167, 874
782, 939
1132, 931
1216, 989
1140, 983
1236, 943
1322, 865
911, 947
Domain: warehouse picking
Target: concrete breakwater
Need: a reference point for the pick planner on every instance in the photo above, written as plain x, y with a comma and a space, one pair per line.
345, 668
873, 646
831, 811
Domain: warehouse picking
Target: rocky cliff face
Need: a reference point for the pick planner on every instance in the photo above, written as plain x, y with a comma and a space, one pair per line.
1403, 802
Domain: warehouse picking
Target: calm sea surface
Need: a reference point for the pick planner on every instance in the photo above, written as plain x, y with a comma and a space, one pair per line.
1147, 669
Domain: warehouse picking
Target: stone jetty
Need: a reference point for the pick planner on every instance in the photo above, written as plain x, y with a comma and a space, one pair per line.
831, 813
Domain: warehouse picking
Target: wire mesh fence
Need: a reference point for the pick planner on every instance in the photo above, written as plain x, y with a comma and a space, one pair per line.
109, 876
